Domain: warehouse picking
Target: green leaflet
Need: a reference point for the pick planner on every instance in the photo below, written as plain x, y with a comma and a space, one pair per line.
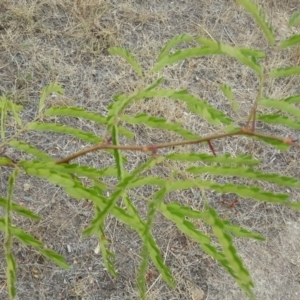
127, 133
88, 137
30, 150
194, 104
128, 57
19, 209
4, 161
292, 99
260, 18
54, 257
161, 123
155, 84
51, 88
185, 211
114, 109
278, 144
225, 159
242, 275
253, 53
75, 112
241, 232
227, 90
246, 173
282, 105
178, 39
295, 18
288, 71
291, 41
280, 120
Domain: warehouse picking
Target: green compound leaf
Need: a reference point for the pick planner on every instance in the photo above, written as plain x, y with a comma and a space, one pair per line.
225, 159
4, 161
194, 104
295, 18
176, 40
75, 112
30, 150
132, 220
242, 275
161, 123
82, 170
85, 136
19, 209
282, 105
141, 274
51, 88
44, 170
8, 238
204, 241
282, 72
84, 114
5, 106
128, 57
186, 211
242, 191
54, 257
280, 120
117, 153
107, 256
242, 55
291, 41
260, 18
246, 173
183, 54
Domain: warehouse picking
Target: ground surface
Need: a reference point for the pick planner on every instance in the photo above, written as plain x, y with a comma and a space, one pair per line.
67, 41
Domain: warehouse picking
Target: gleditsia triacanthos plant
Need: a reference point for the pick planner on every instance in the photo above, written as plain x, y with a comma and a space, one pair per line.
66, 174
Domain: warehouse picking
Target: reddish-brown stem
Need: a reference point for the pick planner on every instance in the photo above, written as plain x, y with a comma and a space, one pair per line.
211, 148
149, 148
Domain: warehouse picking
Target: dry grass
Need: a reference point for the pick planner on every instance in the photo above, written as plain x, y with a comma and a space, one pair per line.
67, 41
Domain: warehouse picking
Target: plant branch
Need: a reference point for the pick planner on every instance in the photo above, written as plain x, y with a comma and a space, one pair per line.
149, 148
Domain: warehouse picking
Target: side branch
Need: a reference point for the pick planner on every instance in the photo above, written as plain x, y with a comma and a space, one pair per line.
149, 148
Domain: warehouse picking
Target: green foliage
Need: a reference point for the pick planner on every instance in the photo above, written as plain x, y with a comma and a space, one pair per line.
295, 18
119, 202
